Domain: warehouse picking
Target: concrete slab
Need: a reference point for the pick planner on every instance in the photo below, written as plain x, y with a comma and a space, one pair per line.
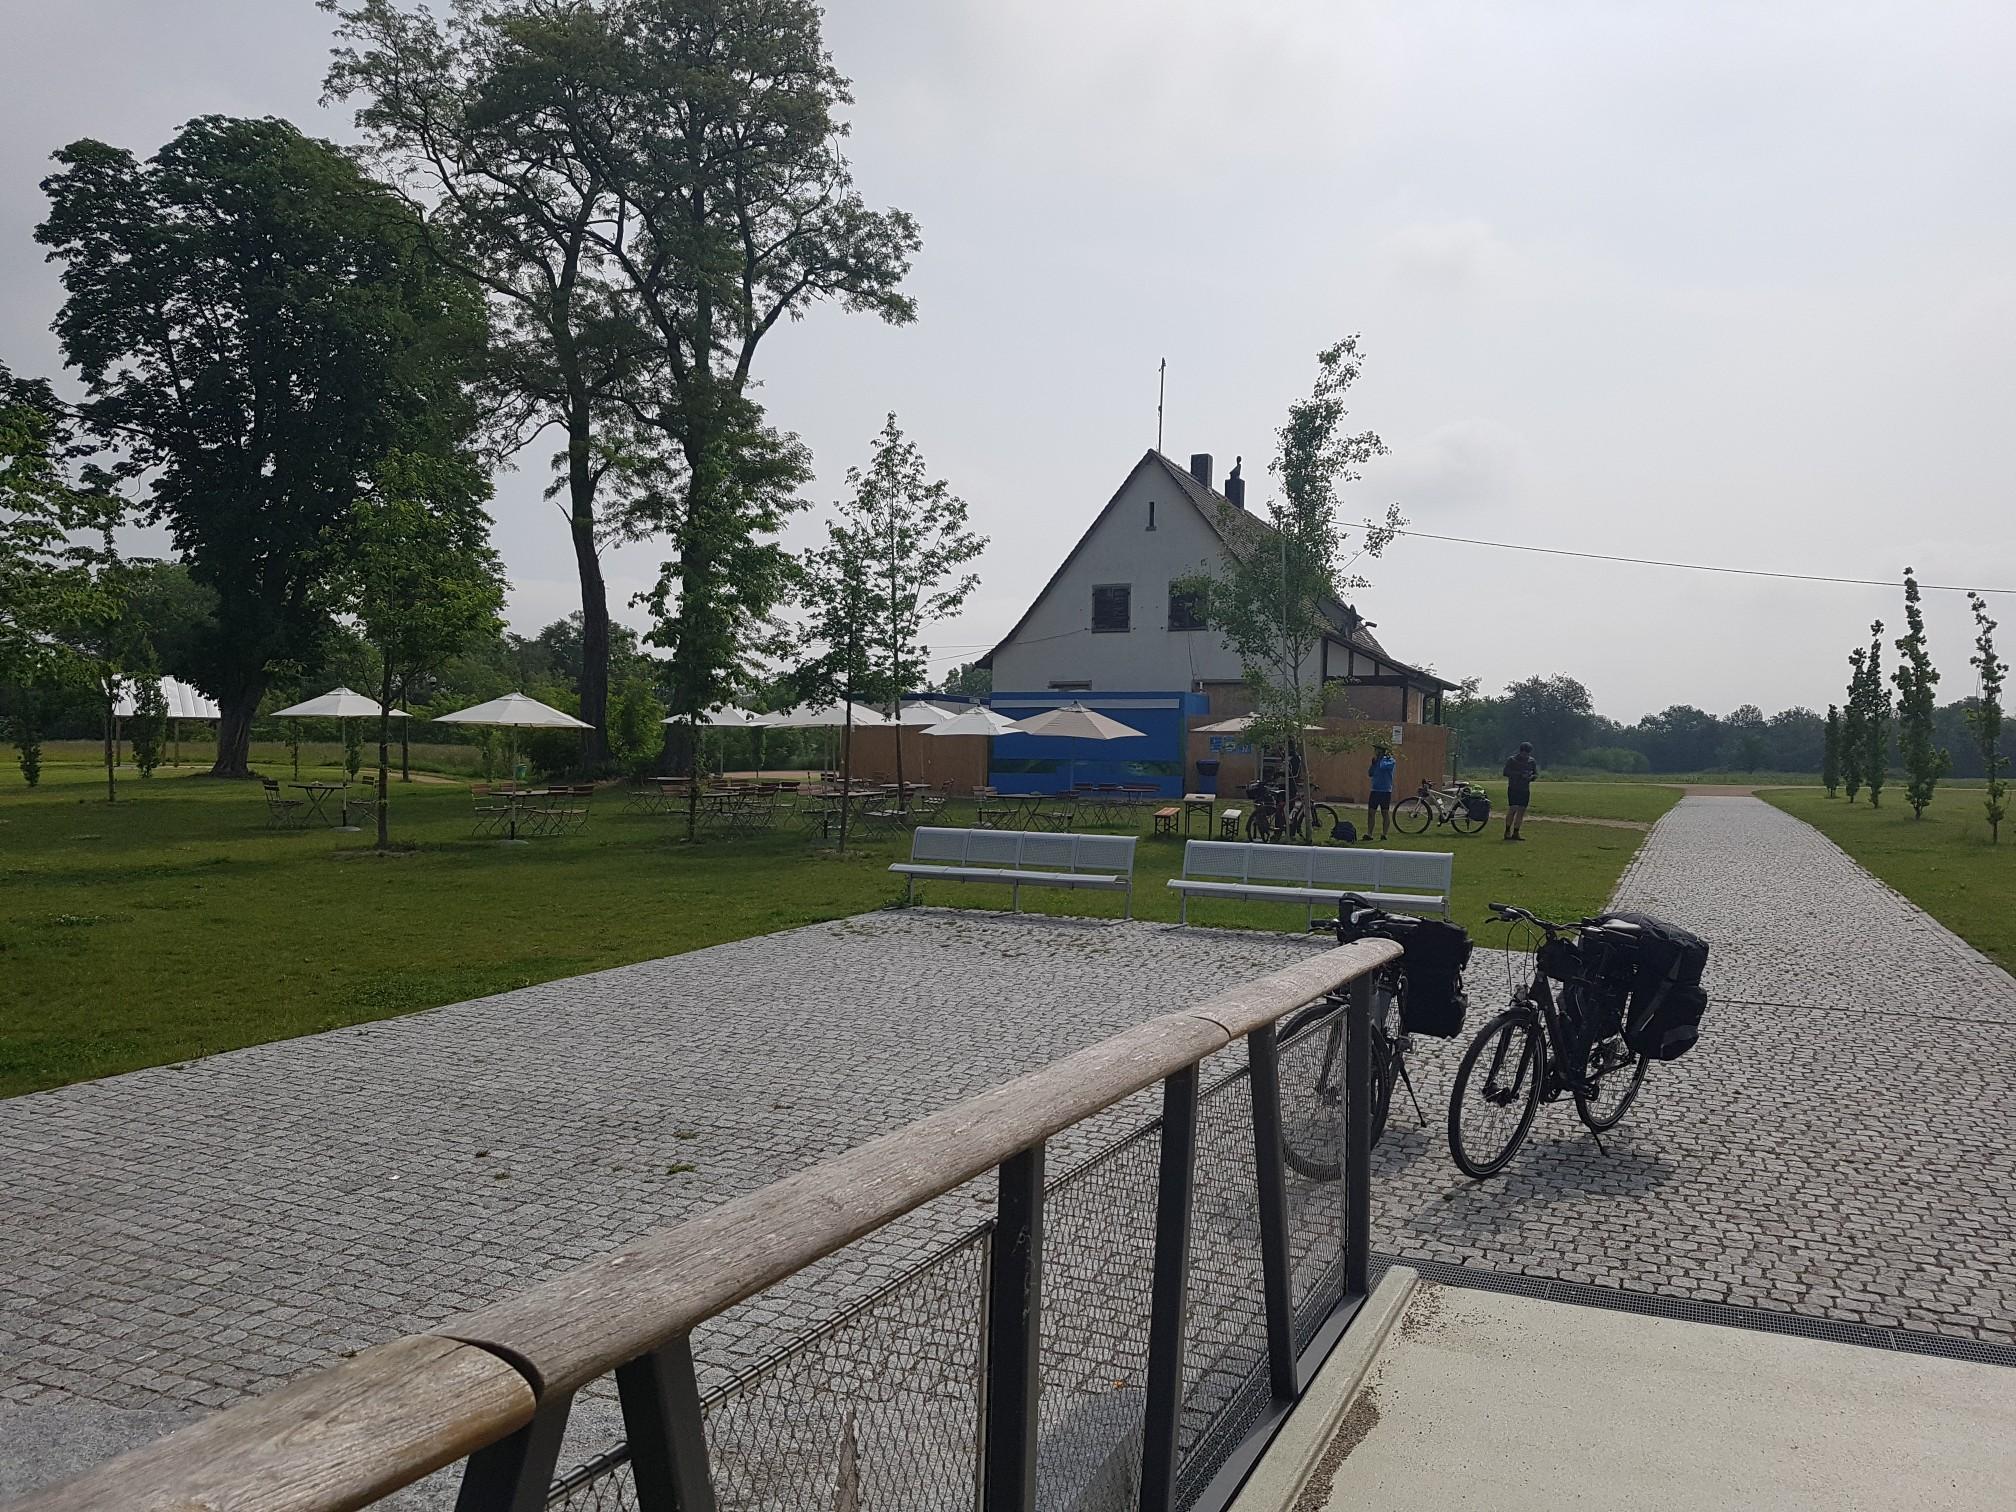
1481, 1400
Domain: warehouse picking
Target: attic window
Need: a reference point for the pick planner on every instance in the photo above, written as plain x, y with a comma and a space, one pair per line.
1112, 607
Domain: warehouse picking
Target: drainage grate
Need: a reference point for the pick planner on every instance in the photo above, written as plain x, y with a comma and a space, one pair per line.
1686, 1309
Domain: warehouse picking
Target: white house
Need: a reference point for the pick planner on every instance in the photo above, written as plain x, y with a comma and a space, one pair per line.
1112, 617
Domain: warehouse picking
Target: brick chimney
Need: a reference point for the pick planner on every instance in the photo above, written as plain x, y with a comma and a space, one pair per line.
1200, 467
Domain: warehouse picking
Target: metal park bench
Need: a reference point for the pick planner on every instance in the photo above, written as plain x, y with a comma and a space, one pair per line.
1018, 859
1405, 881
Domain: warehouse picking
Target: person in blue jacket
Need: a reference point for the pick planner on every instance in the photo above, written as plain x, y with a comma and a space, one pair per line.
1380, 802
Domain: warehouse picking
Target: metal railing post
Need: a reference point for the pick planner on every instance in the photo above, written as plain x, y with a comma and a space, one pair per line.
1358, 1138
514, 1474
668, 1442
1014, 1336
1263, 1058
1176, 1185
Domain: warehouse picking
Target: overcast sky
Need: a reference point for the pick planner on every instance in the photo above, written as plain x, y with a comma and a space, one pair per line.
1729, 283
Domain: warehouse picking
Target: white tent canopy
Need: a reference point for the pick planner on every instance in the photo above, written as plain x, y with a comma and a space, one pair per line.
183, 701
337, 703
824, 716
725, 717
515, 711
978, 720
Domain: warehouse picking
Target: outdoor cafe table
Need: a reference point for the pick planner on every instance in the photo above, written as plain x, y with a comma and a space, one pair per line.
318, 795
1199, 803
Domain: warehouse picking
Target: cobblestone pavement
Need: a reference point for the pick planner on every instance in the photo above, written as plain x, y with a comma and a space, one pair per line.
176, 1238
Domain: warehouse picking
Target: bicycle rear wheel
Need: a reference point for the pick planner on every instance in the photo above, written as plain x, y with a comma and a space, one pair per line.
1497, 1092
1611, 1076
1464, 822
1309, 1138
1324, 817
1412, 817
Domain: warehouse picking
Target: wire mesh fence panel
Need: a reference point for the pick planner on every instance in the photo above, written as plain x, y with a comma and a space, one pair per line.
1312, 1112
1098, 1273
880, 1408
1225, 1382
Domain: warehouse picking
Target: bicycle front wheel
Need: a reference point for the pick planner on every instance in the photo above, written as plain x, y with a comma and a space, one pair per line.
1412, 817
1323, 816
1497, 1092
1611, 1076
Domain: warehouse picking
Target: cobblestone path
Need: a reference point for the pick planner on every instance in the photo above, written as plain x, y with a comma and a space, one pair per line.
174, 1239
1837, 1145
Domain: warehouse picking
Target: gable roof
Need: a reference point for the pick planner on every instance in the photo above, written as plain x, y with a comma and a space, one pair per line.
1241, 533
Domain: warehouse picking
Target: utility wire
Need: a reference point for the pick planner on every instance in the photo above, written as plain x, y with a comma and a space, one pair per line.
1598, 556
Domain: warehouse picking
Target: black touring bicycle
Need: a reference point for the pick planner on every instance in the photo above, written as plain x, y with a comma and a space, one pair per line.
1607, 996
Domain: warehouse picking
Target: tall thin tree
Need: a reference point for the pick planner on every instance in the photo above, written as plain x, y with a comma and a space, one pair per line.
1985, 715
1854, 715
1917, 683
1830, 752
1875, 718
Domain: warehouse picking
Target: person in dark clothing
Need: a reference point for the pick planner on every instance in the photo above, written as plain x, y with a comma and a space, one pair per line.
1520, 770
1379, 803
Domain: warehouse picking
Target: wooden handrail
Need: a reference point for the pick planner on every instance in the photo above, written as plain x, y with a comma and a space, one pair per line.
343, 1437
346, 1436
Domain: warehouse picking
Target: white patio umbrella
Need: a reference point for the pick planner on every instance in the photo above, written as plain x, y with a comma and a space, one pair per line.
1074, 722
728, 717
915, 715
515, 711
337, 703
978, 720
1238, 724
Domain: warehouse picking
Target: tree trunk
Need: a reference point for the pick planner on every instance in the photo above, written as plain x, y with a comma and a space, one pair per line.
111, 743
234, 734
902, 792
594, 688
385, 756
405, 751
692, 777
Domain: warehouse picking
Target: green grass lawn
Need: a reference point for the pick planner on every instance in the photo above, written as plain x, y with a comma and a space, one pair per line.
174, 924
1642, 800
1942, 862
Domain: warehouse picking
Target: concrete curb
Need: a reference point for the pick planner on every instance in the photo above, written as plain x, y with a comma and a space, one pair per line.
1284, 1470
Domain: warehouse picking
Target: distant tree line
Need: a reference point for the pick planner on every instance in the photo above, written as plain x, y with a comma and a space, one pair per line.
1559, 716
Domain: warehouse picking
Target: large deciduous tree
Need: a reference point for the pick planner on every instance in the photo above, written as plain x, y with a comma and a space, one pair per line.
1984, 717
46, 582
259, 327
1276, 596
714, 124
1917, 683
474, 116
905, 534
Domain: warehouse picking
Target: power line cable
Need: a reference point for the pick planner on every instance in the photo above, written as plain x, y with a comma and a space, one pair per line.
1598, 556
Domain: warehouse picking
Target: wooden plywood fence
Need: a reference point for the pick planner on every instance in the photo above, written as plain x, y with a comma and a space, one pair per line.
937, 759
1339, 774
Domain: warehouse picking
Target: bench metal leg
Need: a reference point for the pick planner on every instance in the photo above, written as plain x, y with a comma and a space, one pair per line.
1015, 898
1127, 901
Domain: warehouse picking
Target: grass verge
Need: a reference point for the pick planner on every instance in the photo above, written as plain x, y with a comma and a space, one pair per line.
173, 924
1942, 862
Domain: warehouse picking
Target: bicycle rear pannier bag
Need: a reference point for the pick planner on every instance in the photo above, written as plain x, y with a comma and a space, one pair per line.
1478, 807
1437, 952
1662, 1018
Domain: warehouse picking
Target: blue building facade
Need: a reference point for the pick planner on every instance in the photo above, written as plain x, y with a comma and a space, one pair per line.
1042, 764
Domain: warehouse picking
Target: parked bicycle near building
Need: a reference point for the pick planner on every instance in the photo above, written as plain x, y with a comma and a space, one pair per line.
1421, 993
1607, 996
1462, 807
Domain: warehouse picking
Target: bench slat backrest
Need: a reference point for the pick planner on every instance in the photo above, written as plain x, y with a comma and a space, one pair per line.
1024, 850
1320, 866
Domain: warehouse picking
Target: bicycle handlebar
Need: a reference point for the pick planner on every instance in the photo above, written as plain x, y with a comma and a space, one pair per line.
1506, 913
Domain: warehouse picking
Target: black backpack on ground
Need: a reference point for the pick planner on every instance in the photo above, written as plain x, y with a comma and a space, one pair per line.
1660, 966
1436, 952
